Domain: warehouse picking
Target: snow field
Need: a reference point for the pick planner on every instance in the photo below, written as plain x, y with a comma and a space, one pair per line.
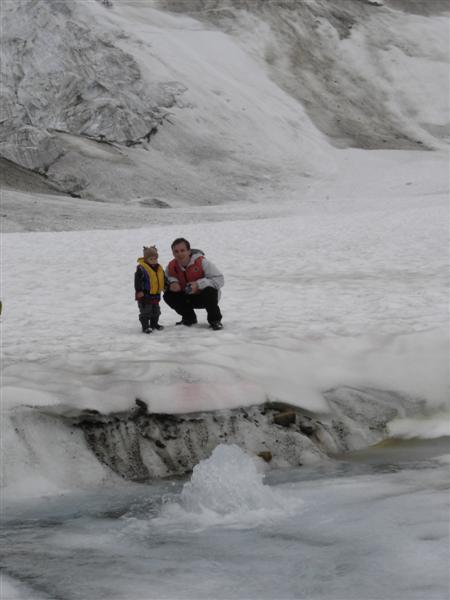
346, 290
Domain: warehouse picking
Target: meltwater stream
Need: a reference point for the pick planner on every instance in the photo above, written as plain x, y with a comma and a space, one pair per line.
372, 526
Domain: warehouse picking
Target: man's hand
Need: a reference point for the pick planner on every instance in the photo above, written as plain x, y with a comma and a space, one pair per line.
175, 287
139, 295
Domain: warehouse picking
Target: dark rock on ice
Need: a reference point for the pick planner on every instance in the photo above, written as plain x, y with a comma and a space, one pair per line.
265, 455
285, 418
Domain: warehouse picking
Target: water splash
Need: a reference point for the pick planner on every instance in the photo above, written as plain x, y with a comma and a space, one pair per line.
226, 482
227, 489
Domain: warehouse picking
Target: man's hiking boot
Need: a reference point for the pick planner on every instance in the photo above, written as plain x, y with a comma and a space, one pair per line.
186, 322
147, 330
216, 325
158, 327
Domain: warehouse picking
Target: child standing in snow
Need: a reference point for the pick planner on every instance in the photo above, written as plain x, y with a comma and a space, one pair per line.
148, 285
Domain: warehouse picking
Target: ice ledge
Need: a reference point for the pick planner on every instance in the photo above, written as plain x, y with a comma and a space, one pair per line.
139, 445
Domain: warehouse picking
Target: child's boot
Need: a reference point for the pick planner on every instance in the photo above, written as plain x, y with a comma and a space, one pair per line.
145, 325
155, 325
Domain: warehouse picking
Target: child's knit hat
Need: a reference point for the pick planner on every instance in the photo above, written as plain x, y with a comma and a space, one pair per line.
150, 252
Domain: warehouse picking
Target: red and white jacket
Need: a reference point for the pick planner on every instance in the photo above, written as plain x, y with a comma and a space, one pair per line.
198, 269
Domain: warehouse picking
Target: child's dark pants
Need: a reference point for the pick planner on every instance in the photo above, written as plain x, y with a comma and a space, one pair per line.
149, 314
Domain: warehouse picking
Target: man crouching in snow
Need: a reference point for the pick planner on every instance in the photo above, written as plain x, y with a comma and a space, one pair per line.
194, 282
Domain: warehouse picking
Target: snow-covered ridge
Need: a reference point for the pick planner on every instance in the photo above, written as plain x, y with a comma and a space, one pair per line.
364, 74
134, 102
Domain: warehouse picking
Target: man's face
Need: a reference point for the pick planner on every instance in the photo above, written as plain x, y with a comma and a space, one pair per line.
181, 253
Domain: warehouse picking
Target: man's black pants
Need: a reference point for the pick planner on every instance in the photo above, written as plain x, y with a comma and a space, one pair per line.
184, 304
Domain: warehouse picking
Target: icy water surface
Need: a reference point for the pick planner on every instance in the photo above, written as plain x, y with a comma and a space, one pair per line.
372, 526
